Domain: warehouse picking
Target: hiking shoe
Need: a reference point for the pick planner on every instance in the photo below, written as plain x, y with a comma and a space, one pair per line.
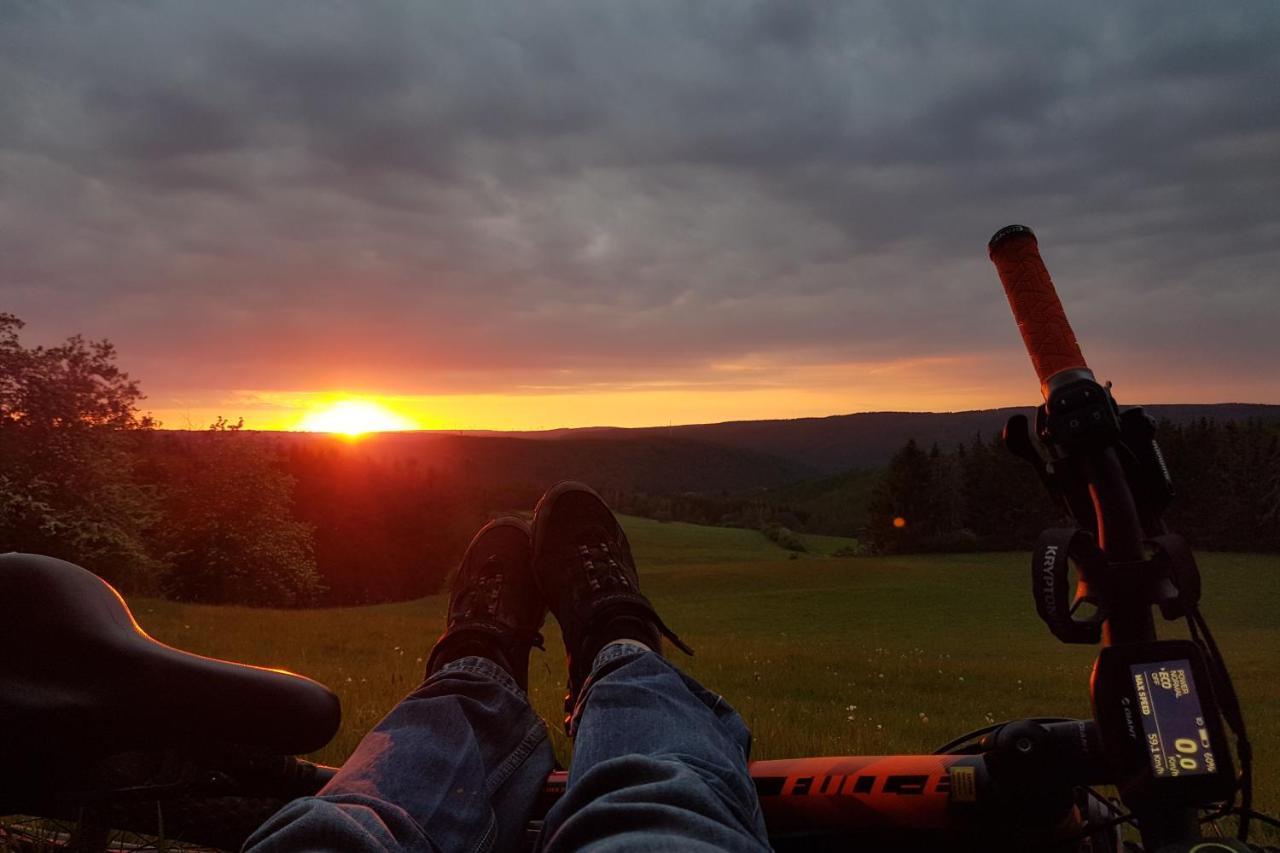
495, 608
582, 562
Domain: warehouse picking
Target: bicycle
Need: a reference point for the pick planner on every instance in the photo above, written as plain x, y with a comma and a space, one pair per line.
103, 726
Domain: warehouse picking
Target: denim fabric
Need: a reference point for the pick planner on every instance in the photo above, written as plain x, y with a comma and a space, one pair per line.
659, 764
456, 766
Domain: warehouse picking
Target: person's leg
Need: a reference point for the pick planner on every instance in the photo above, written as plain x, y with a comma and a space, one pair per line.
659, 762
459, 763
456, 766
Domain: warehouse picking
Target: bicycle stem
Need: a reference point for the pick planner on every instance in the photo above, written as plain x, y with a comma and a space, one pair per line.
1120, 537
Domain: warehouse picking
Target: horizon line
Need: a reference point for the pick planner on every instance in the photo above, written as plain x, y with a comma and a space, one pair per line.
544, 430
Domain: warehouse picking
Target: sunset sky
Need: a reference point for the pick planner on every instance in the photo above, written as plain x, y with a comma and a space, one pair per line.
517, 215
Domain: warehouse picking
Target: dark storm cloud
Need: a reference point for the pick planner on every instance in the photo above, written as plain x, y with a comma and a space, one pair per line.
425, 196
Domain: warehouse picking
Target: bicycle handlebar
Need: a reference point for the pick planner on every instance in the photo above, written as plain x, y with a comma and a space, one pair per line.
1048, 336
1083, 430
1018, 778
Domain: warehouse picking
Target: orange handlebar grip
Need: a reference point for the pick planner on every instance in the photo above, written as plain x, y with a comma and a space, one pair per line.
1036, 307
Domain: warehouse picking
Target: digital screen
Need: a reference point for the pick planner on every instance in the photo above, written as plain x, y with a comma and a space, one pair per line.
1172, 719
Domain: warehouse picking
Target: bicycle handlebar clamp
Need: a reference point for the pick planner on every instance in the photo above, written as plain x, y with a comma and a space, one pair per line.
1050, 581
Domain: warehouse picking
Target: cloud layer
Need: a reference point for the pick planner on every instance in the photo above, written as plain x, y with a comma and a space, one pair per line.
414, 198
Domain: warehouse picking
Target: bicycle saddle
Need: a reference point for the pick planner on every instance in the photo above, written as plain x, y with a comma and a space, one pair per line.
76, 670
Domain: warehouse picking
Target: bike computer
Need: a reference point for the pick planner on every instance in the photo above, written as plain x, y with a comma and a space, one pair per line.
1159, 723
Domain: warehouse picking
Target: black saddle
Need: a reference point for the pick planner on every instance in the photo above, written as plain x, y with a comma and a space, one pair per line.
77, 673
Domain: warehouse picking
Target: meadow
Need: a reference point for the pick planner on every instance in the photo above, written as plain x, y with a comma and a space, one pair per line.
822, 655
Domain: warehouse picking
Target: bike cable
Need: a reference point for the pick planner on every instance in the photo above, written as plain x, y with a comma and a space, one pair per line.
964, 745
1229, 702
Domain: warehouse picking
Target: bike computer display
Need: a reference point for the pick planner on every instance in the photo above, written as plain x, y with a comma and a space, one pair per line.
1172, 719
1159, 723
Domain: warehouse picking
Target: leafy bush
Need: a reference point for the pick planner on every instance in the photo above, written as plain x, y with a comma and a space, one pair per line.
784, 537
70, 487
86, 479
230, 536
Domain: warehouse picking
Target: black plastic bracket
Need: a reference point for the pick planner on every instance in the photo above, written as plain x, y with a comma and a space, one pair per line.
1168, 579
1051, 562
1176, 566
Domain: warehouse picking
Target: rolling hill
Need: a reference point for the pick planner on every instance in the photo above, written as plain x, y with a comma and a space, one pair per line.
866, 440
722, 457
642, 462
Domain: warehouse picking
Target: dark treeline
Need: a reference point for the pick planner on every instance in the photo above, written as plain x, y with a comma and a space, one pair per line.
387, 529
753, 510
1229, 478
833, 505
220, 516
368, 529
978, 496
227, 516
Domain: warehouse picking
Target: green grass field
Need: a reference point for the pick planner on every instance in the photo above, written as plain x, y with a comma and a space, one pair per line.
821, 655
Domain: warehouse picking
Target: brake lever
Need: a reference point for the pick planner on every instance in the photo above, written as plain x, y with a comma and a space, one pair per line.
1053, 469
1019, 441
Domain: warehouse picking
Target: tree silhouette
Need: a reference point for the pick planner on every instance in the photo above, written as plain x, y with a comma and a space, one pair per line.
229, 534
69, 486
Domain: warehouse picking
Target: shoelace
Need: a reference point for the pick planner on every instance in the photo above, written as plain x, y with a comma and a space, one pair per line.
481, 597
604, 572
482, 600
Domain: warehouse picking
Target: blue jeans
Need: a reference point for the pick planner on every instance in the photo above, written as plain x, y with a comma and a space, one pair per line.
659, 763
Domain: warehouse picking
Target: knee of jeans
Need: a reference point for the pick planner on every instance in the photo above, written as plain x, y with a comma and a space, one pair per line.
697, 783
723, 769
681, 774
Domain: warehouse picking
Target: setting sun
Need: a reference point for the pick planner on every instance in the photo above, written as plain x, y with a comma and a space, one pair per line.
354, 417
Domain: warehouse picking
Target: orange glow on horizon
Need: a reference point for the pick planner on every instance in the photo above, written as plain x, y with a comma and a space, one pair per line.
746, 389
743, 390
310, 411
353, 418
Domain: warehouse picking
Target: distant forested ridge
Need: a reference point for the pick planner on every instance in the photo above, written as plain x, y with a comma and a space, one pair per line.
226, 515
977, 495
832, 445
